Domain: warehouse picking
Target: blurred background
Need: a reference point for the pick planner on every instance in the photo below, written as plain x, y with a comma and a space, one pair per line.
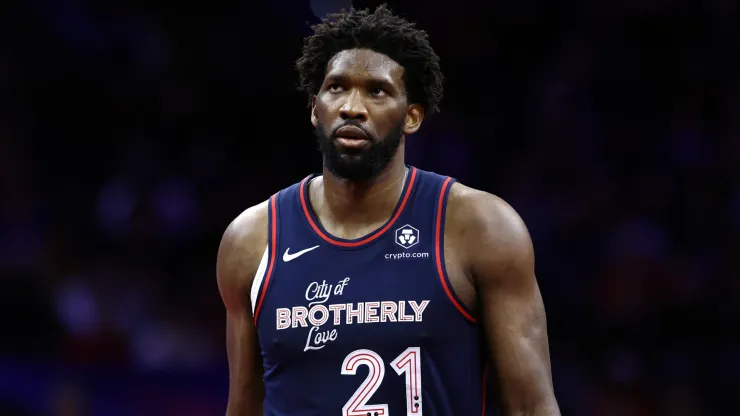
132, 133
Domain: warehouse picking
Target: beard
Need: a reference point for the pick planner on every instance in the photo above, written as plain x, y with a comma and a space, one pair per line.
358, 165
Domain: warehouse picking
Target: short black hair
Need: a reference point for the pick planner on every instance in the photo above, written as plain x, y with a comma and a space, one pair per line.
382, 32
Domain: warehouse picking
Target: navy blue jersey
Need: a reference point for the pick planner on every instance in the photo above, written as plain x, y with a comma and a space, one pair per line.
369, 326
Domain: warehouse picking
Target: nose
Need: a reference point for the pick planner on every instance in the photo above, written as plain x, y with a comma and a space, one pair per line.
353, 108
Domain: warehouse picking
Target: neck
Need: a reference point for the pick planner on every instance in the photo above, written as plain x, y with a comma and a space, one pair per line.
362, 202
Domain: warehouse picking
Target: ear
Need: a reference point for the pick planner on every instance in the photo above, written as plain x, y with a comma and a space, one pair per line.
314, 117
414, 117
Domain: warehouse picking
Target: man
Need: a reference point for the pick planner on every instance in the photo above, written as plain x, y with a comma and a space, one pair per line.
378, 288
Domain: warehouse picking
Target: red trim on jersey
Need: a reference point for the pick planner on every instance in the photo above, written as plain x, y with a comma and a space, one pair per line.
373, 236
273, 250
483, 384
438, 250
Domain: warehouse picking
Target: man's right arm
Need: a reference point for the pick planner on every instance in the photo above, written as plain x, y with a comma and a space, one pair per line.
239, 254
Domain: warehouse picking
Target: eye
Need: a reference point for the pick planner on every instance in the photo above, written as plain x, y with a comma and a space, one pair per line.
334, 87
377, 92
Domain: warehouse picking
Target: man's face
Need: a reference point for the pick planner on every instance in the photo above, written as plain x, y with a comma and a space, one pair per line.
361, 114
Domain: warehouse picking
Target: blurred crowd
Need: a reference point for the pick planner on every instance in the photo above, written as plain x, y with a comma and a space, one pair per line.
130, 136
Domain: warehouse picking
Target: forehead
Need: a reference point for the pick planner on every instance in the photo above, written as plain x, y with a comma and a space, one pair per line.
365, 63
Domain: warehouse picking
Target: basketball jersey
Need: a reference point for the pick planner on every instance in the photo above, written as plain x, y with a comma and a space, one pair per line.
370, 326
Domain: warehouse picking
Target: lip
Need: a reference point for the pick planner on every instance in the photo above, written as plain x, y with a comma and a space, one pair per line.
352, 143
351, 132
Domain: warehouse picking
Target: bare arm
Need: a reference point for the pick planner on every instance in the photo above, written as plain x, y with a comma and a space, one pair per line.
512, 308
238, 258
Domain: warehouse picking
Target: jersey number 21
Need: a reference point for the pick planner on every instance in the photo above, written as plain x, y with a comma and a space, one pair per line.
408, 363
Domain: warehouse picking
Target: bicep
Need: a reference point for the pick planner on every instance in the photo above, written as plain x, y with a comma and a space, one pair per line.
516, 332
234, 270
514, 313
246, 390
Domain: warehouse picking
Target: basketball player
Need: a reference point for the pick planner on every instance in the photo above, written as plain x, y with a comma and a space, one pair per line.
377, 288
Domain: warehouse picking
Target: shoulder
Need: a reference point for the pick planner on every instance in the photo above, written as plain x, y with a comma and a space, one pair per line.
239, 253
492, 234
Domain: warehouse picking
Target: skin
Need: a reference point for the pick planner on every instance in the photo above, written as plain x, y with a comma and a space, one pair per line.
239, 255
489, 254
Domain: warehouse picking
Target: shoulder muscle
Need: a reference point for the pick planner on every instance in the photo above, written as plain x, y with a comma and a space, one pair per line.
239, 255
493, 234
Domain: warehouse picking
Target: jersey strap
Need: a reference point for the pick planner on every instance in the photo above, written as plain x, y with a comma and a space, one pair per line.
272, 243
439, 244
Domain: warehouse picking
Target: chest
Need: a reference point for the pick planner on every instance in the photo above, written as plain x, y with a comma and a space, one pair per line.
333, 301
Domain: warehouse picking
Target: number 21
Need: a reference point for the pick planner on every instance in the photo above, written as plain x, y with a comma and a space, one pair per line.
408, 363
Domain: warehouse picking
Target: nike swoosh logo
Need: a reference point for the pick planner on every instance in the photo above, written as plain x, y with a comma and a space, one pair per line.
288, 257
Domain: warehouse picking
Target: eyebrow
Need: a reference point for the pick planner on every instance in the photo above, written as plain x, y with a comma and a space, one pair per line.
384, 81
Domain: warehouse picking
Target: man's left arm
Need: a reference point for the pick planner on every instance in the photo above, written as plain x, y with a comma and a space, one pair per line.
511, 307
